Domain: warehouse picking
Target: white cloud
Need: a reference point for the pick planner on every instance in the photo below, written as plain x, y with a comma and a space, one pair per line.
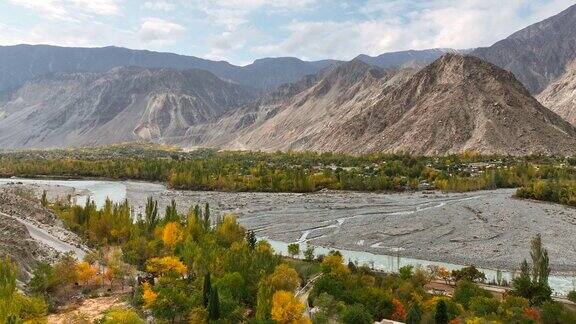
233, 13
159, 5
70, 9
160, 32
422, 25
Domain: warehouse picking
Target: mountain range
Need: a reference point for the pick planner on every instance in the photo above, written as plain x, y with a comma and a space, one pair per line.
430, 102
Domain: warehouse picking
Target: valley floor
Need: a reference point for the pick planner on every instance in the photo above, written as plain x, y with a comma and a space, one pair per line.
490, 229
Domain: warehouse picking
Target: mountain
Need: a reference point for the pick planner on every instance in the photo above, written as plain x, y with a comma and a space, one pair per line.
457, 103
123, 104
538, 54
411, 57
293, 116
560, 95
23, 63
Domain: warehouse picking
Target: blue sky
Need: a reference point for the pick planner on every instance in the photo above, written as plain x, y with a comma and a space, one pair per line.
240, 31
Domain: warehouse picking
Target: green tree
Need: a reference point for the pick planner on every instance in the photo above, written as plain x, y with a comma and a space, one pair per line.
466, 290
309, 253
251, 239
414, 315
356, 314
294, 249
206, 292
9, 308
207, 216
214, 305
441, 313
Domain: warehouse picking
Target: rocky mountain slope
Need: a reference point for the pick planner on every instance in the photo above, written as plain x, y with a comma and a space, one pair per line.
22, 63
123, 104
560, 95
295, 116
538, 54
458, 103
402, 58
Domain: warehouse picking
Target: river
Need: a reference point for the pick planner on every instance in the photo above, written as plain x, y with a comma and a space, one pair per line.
117, 191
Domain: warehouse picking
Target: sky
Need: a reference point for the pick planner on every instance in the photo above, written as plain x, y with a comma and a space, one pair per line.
240, 31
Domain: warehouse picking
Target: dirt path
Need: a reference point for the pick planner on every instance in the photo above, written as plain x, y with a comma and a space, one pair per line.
90, 310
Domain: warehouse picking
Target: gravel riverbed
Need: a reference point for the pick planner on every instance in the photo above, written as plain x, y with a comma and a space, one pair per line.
490, 229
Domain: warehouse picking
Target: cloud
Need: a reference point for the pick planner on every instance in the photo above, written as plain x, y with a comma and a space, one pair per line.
233, 13
160, 32
70, 9
159, 5
401, 25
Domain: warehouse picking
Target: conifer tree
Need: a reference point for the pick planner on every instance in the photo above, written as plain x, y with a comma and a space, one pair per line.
207, 216
214, 306
207, 289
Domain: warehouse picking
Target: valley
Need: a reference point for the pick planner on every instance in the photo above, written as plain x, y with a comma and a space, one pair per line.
452, 230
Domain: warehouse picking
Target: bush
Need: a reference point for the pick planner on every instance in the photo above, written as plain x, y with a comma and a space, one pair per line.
484, 306
466, 291
356, 314
572, 296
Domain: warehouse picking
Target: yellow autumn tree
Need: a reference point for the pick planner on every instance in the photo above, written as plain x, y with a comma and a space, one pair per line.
166, 266
229, 231
333, 263
171, 234
86, 273
286, 309
284, 278
148, 295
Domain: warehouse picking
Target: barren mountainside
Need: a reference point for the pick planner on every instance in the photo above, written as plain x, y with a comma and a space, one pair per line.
123, 104
458, 103
560, 95
299, 117
538, 54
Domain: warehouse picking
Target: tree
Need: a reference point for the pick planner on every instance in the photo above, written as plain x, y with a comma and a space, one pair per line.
286, 308
441, 314
251, 239
535, 289
171, 234
572, 296
294, 249
444, 274
207, 216
356, 314
468, 273
151, 215
8, 307
405, 272
207, 290
333, 264
149, 296
86, 273
399, 313
540, 261
466, 290
214, 305
284, 278
166, 266
309, 253
229, 231
44, 199
121, 316
414, 315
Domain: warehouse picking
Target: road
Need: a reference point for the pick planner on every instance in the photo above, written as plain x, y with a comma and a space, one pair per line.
44, 237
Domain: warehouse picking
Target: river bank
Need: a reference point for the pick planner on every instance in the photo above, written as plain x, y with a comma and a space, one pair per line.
489, 229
